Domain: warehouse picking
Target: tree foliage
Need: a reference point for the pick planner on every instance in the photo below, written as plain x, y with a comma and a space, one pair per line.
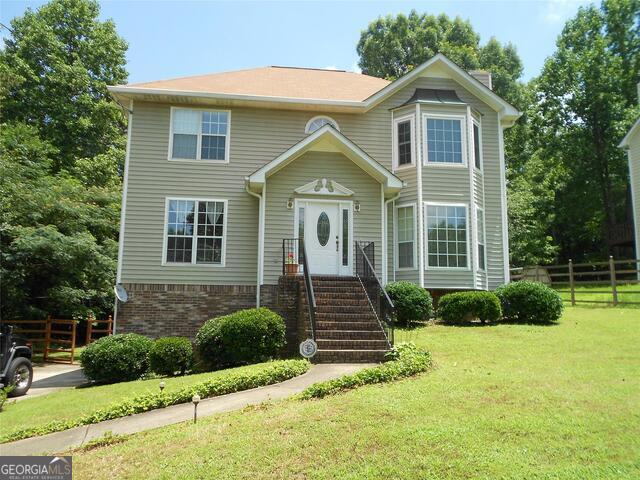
61, 159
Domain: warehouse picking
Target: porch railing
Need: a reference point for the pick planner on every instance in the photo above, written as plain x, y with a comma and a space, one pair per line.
294, 262
378, 297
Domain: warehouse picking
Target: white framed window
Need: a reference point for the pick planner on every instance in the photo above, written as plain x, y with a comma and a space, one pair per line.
406, 234
195, 231
482, 262
403, 144
445, 140
477, 144
447, 233
199, 135
320, 121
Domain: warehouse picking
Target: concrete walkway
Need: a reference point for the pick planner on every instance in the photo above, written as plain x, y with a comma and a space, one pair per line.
50, 377
76, 437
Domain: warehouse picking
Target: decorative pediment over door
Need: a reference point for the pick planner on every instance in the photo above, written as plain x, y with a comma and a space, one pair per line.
323, 186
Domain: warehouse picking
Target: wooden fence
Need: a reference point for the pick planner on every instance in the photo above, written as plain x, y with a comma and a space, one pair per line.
58, 336
599, 278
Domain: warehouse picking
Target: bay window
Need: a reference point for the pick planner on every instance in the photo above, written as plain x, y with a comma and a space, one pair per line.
405, 236
447, 236
444, 140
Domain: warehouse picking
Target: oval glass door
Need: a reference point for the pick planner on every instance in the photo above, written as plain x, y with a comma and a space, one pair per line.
323, 229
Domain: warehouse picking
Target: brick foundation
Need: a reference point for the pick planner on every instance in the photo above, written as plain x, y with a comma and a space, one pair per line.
159, 310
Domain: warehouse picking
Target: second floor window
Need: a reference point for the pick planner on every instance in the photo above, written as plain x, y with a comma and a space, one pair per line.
199, 135
476, 146
444, 140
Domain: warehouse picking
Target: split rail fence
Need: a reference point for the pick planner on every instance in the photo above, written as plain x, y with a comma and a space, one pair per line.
55, 339
611, 281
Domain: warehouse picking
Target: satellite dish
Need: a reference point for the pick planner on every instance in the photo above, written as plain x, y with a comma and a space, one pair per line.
121, 293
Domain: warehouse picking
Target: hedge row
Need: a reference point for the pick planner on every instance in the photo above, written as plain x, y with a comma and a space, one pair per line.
222, 384
406, 360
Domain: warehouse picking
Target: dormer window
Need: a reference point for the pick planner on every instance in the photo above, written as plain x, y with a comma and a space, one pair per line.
318, 122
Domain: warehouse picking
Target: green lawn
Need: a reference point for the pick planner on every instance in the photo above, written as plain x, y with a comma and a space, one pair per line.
626, 293
73, 403
505, 401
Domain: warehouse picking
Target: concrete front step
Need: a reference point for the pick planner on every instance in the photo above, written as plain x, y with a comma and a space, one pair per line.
375, 334
342, 326
349, 356
333, 344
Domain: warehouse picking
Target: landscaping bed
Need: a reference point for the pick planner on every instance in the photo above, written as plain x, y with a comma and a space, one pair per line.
82, 406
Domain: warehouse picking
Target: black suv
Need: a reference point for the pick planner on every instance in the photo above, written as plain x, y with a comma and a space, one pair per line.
15, 361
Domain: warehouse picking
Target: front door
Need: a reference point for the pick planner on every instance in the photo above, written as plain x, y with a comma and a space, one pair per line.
322, 237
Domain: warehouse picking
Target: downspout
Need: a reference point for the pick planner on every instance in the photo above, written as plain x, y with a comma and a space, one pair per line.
260, 238
420, 196
385, 239
123, 210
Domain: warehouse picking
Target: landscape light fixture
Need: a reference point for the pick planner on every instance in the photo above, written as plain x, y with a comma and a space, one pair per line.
162, 385
196, 401
290, 203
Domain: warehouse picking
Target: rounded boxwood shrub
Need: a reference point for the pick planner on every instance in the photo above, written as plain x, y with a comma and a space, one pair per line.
529, 302
169, 355
465, 306
241, 338
412, 302
116, 358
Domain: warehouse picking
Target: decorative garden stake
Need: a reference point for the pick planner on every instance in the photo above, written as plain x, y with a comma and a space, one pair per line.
196, 401
161, 386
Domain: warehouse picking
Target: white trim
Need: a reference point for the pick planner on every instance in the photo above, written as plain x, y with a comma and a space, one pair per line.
480, 169
342, 204
468, 268
414, 208
473, 236
375, 169
636, 213
195, 237
338, 189
477, 243
199, 134
319, 117
260, 266
464, 139
503, 203
421, 210
394, 142
383, 216
125, 188
510, 113
627, 138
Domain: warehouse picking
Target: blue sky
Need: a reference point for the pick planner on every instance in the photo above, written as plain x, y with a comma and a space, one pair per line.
171, 39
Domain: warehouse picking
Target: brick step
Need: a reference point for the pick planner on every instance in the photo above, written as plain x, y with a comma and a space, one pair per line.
341, 295
349, 356
346, 302
338, 290
374, 334
333, 344
333, 278
342, 326
346, 317
344, 309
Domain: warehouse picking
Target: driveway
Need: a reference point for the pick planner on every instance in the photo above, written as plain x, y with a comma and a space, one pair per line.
50, 377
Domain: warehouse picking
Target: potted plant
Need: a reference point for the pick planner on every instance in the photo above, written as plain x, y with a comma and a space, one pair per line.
291, 266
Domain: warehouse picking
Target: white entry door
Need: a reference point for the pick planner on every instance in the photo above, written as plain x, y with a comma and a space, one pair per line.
322, 237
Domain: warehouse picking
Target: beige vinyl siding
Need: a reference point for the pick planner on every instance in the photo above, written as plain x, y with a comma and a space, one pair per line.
634, 171
279, 221
257, 137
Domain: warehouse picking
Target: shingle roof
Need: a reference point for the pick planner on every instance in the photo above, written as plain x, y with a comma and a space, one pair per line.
274, 81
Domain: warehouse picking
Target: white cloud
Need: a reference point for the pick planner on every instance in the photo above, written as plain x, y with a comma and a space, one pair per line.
558, 11
356, 68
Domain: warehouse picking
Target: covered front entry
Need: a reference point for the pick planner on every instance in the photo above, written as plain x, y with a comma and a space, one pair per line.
326, 227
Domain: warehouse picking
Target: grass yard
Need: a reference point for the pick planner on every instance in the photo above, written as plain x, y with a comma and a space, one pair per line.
504, 401
73, 403
626, 293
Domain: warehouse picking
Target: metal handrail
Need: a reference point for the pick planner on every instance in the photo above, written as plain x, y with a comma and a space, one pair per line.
367, 272
311, 297
294, 249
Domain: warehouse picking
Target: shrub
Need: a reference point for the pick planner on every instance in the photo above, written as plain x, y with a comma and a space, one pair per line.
464, 306
406, 360
169, 355
116, 358
244, 337
220, 384
529, 302
412, 302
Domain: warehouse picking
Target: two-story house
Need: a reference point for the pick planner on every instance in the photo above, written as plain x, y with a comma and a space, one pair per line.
224, 170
